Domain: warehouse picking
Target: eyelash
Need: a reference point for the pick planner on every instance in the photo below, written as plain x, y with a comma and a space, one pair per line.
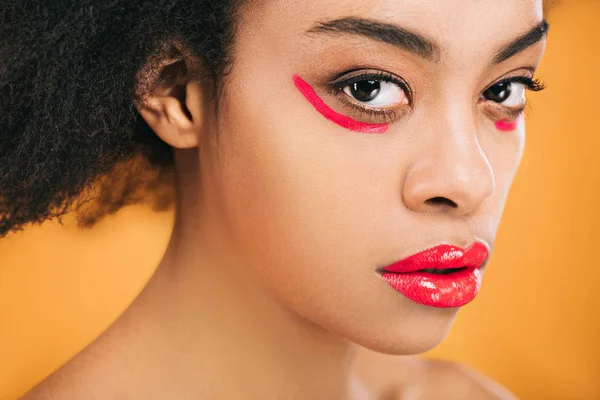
535, 85
337, 85
531, 84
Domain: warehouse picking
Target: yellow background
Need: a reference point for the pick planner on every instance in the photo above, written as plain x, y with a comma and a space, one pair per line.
535, 327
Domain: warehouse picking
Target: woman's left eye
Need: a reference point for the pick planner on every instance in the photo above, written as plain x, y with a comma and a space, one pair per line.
510, 94
376, 93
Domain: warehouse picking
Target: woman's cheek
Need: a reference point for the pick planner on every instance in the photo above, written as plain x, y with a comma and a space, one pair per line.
297, 191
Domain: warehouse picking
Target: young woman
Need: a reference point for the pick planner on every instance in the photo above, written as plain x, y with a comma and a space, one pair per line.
341, 168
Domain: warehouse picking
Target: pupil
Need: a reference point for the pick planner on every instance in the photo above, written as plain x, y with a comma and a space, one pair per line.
366, 90
498, 93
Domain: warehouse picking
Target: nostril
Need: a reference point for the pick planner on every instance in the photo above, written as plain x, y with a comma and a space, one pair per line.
441, 201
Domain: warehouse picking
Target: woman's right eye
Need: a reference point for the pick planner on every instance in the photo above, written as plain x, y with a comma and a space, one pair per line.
376, 93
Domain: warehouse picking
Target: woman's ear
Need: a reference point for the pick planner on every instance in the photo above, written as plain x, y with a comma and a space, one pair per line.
171, 101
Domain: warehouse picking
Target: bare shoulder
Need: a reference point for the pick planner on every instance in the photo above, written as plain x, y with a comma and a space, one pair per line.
71, 381
92, 374
452, 380
413, 378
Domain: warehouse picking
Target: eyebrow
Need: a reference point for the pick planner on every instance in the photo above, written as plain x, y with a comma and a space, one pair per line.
383, 32
524, 41
416, 43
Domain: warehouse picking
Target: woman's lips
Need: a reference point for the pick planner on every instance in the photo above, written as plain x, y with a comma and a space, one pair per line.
444, 276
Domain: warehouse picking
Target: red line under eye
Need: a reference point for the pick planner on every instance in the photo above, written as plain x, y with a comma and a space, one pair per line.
507, 126
342, 120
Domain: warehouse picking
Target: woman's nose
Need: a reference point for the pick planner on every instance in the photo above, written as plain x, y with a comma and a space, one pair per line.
452, 176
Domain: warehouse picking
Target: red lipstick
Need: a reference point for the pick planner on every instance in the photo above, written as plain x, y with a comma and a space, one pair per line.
444, 276
342, 120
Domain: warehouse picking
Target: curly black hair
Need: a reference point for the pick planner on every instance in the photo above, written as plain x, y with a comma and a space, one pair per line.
68, 79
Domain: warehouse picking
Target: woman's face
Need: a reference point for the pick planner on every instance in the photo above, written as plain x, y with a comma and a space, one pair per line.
354, 134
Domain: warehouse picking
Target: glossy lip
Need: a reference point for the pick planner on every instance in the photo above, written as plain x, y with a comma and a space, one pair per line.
342, 120
454, 289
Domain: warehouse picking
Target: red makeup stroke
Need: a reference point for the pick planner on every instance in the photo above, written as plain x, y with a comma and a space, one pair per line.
342, 120
506, 126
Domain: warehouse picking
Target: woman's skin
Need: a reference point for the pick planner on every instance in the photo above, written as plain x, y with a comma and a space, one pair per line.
269, 288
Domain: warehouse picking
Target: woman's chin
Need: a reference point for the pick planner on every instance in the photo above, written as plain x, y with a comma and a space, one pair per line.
410, 336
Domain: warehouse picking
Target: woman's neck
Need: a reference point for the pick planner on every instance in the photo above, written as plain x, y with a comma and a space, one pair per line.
206, 324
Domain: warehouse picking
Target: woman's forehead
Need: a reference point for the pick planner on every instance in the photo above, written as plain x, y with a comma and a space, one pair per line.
456, 33
450, 23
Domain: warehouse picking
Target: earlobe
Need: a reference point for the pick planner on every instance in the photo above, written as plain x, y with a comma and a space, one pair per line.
174, 110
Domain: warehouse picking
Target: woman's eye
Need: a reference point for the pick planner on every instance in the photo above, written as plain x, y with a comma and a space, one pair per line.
376, 93
511, 94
